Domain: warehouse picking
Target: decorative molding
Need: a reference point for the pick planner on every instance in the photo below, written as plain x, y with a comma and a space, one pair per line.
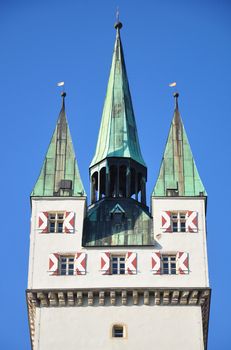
124, 297
157, 297
90, 298
70, 299
32, 303
117, 297
101, 298
79, 300
135, 297
175, 297
113, 297
146, 297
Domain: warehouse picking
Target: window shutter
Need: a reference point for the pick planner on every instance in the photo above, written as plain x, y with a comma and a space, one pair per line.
156, 263
69, 221
43, 222
191, 221
182, 261
166, 221
54, 264
131, 263
80, 263
105, 263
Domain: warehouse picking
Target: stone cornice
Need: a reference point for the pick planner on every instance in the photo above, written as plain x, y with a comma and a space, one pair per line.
117, 297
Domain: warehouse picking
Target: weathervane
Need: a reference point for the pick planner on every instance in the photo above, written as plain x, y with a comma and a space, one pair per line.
173, 85
61, 84
117, 14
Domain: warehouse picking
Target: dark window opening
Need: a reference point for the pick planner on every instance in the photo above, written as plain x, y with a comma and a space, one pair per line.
118, 331
122, 181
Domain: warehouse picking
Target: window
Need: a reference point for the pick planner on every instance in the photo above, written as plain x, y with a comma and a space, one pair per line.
66, 265
118, 331
168, 264
178, 220
118, 264
55, 222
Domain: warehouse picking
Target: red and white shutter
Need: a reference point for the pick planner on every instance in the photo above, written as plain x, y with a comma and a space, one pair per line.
43, 222
166, 221
54, 264
69, 221
80, 263
131, 263
105, 263
191, 221
182, 261
156, 259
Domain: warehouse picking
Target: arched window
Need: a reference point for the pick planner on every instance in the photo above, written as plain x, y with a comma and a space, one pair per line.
94, 187
122, 181
102, 189
133, 182
113, 180
139, 187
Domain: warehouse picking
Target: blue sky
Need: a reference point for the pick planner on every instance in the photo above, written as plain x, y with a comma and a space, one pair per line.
43, 42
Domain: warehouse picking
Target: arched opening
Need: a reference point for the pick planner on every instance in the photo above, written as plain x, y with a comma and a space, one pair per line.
102, 186
133, 183
119, 178
113, 181
143, 190
139, 186
94, 187
122, 181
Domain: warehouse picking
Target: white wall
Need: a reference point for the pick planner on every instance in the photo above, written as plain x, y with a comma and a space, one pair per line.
194, 242
41, 244
44, 244
148, 327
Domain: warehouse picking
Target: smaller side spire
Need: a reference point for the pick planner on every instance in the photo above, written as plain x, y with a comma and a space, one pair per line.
178, 174
60, 174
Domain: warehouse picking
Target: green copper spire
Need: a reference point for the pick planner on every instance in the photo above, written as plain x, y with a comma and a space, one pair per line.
118, 134
178, 173
60, 174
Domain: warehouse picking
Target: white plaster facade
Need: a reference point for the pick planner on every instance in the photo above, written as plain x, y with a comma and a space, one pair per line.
89, 328
42, 245
165, 323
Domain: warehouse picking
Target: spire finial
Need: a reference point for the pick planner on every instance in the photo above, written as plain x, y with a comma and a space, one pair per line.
176, 95
117, 14
118, 24
63, 95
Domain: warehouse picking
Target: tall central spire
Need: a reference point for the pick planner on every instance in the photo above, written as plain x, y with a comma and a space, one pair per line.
118, 133
118, 168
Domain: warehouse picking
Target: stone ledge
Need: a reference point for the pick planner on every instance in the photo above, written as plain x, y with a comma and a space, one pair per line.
118, 297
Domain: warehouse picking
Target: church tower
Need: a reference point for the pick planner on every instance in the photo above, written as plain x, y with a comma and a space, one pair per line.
115, 275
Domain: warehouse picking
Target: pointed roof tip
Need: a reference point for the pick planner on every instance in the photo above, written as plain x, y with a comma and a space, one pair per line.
176, 95
63, 95
118, 135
